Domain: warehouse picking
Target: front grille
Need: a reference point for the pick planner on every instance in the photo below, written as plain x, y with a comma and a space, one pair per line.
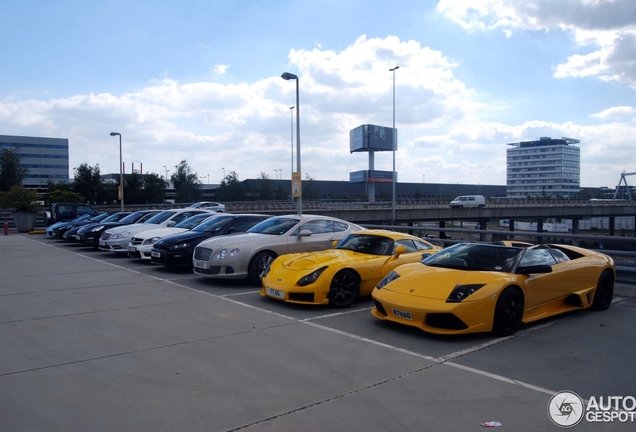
302, 297
105, 236
214, 270
202, 254
445, 321
379, 307
136, 241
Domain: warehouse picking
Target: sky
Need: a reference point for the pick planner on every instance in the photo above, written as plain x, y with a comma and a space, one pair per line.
200, 81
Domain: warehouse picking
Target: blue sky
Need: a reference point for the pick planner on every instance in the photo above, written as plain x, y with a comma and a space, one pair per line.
200, 81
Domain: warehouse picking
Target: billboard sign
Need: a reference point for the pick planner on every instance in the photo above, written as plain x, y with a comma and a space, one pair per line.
371, 138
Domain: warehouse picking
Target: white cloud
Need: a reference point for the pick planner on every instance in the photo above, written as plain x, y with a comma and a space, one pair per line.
614, 112
608, 27
246, 127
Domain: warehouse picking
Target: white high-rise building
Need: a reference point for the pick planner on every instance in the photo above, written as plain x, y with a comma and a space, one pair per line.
545, 167
46, 158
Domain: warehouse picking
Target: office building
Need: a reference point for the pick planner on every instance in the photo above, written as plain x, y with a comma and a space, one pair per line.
546, 167
46, 158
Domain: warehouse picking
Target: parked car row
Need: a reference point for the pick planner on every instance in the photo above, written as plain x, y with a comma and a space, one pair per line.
321, 260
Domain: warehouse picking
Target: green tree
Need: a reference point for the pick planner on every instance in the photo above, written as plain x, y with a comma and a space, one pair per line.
230, 189
187, 187
87, 182
11, 172
154, 188
264, 191
134, 188
62, 195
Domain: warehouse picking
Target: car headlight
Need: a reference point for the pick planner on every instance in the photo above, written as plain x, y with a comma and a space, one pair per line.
97, 228
388, 279
460, 292
224, 253
120, 235
311, 277
179, 246
150, 241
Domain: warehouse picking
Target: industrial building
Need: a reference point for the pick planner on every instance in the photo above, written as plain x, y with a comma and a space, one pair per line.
549, 167
46, 158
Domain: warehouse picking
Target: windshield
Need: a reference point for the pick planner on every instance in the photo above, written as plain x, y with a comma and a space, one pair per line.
99, 217
274, 226
161, 217
115, 217
192, 221
213, 225
131, 218
476, 257
368, 244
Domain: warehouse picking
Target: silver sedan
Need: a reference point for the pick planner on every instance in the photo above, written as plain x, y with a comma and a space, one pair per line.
246, 255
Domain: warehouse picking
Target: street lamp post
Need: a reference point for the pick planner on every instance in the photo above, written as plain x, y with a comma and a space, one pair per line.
223, 173
121, 172
289, 76
291, 118
394, 145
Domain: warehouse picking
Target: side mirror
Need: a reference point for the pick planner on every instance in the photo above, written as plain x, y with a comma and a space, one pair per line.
335, 243
304, 233
425, 255
534, 269
399, 251
171, 224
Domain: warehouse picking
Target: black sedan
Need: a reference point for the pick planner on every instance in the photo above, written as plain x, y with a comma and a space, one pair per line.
58, 232
89, 235
70, 235
176, 250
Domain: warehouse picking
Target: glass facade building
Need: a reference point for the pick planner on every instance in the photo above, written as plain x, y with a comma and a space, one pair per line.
46, 158
545, 167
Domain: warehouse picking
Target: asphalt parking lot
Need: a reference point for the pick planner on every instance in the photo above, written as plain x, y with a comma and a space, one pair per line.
92, 341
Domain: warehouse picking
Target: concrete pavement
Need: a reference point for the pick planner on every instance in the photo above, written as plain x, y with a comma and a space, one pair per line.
93, 345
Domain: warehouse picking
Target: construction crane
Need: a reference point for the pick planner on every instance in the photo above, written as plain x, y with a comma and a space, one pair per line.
621, 181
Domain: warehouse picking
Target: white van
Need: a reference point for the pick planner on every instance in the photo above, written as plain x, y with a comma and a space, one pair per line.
467, 201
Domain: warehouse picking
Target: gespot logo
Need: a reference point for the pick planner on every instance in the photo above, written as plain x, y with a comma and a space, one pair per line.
566, 409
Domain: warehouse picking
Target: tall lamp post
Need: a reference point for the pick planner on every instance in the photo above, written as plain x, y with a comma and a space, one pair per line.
289, 76
291, 118
121, 172
394, 145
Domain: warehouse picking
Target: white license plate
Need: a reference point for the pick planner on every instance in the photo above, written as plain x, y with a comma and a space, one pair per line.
402, 314
132, 249
155, 254
201, 264
275, 293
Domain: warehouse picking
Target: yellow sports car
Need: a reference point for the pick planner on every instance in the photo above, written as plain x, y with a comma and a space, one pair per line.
338, 276
478, 287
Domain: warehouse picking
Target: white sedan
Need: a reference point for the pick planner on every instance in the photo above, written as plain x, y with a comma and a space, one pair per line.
246, 255
140, 245
117, 239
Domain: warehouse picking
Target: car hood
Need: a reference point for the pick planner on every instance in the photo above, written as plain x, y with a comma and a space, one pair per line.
238, 240
134, 229
313, 260
161, 232
186, 236
437, 283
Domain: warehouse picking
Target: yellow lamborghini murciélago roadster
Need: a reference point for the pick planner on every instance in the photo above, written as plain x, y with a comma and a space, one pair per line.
478, 287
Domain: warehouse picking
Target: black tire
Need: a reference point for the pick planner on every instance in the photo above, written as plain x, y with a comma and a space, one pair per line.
257, 265
604, 291
508, 312
344, 289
